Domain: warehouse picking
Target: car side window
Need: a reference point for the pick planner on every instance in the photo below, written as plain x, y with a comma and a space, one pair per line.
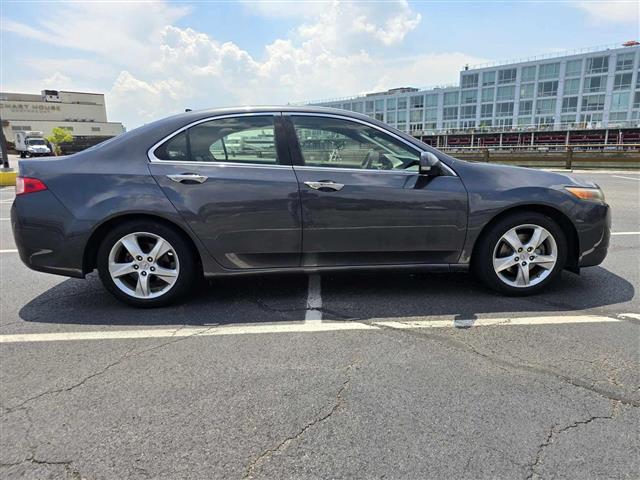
338, 143
246, 139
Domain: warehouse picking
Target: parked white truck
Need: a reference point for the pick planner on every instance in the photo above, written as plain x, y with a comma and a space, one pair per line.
31, 144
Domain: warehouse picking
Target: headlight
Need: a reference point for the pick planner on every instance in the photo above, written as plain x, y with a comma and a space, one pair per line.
591, 194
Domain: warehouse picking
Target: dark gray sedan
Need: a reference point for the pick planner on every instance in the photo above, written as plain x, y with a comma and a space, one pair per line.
264, 190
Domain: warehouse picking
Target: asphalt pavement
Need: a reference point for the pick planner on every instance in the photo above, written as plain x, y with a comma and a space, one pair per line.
396, 376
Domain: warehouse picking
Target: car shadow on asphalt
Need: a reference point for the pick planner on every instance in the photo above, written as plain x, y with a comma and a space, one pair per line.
345, 297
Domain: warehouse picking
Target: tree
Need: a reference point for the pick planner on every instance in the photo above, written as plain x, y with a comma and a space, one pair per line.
58, 136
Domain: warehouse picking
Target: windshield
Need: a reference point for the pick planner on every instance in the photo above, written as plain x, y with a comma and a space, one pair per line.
35, 141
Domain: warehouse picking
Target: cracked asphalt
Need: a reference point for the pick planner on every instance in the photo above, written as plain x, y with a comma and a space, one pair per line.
530, 401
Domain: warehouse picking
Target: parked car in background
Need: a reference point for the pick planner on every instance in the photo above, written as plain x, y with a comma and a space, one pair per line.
31, 144
273, 189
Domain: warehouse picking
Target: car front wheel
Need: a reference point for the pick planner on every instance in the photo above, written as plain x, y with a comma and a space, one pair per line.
521, 254
146, 264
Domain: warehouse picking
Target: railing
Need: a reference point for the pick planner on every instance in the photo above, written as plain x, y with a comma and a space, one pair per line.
545, 56
547, 147
531, 128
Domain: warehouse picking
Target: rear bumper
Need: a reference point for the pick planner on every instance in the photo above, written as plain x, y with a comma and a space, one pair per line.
44, 236
594, 236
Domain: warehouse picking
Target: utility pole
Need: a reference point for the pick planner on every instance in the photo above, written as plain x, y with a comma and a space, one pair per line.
3, 148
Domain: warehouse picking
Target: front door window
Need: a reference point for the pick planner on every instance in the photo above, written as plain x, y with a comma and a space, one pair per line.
333, 142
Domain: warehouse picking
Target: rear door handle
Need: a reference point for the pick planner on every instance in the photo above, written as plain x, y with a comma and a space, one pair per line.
188, 177
325, 186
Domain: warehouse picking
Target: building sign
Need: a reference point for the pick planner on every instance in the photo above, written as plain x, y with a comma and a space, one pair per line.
15, 107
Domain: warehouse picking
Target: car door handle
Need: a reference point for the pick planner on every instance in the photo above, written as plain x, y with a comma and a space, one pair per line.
188, 177
325, 186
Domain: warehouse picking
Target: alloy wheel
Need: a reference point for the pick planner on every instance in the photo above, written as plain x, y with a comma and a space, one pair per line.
525, 255
143, 265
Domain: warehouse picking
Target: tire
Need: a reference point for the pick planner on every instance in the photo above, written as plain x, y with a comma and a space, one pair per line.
502, 266
168, 277
22, 155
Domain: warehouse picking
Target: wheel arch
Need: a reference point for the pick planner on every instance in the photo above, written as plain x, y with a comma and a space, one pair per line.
556, 215
89, 260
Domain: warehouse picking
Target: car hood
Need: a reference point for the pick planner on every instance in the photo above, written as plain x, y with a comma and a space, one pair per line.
508, 177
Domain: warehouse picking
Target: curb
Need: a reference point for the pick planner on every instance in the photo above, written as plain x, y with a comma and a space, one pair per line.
7, 179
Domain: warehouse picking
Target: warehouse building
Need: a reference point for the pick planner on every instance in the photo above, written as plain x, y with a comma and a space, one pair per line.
84, 115
596, 91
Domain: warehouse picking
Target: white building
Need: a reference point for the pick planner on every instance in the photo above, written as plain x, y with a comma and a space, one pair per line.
83, 114
594, 88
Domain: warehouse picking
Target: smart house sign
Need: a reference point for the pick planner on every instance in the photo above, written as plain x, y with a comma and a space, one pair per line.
14, 107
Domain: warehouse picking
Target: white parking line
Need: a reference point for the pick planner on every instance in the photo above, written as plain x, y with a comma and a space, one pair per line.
9, 251
314, 299
628, 178
625, 233
302, 327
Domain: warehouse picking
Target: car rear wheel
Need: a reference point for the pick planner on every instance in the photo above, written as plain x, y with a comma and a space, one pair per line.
146, 264
521, 254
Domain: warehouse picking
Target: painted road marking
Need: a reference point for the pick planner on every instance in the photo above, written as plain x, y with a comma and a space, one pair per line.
628, 178
302, 327
314, 299
9, 251
625, 233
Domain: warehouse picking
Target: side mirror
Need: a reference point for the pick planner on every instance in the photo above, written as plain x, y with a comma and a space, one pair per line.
429, 164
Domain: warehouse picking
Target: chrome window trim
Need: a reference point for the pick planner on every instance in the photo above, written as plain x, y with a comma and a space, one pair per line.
153, 159
363, 122
354, 170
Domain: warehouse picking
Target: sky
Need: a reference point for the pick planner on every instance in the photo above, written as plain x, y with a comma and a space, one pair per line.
153, 59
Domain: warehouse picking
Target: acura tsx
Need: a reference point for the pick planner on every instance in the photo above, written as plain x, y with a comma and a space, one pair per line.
277, 189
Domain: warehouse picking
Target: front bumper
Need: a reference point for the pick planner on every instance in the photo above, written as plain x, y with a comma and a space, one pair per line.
594, 234
43, 232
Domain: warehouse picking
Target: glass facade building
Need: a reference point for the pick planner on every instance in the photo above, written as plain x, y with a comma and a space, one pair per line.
594, 89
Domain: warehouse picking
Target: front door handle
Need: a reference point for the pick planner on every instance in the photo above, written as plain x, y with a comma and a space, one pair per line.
325, 186
188, 178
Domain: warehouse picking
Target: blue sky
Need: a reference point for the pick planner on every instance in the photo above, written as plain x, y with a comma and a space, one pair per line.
157, 58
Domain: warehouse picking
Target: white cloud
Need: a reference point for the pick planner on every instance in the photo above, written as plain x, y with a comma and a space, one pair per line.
611, 11
155, 68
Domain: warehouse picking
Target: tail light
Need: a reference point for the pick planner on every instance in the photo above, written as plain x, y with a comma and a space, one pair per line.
29, 185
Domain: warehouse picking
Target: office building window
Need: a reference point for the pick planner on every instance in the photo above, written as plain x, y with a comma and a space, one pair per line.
95, 129
526, 90
572, 86
504, 122
379, 105
450, 113
636, 100
391, 117
368, 106
526, 107
486, 110
593, 102
488, 78
549, 70
468, 111
20, 128
346, 106
431, 114
488, 94
620, 101
504, 109
415, 116
402, 103
469, 96
544, 121
357, 107
417, 101
391, 104
545, 106
622, 81
451, 98
522, 121
548, 89
597, 65
569, 104
505, 93
486, 123
402, 116
617, 116
624, 61
528, 74
595, 84
568, 119
469, 81
431, 101
573, 68
506, 76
